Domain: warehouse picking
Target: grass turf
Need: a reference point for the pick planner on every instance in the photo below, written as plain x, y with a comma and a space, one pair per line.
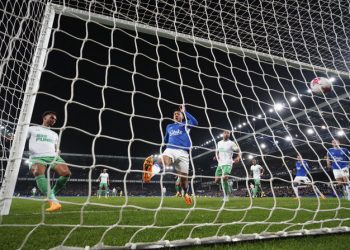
116, 221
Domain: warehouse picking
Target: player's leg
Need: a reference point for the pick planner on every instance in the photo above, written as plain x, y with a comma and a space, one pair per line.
181, 162
255, 189
38, 171
64, 174
296, 187
226, 172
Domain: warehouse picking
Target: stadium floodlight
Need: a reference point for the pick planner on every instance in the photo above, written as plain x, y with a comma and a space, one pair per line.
259, 116
240, 125
340, 133
279, 106
288, 138
323, 127
310, 131
250, 157
332, 79
308, 90
293, 99
221, 135
270, 110
244, 124
254, 119
263, 145
276, 142
235, 128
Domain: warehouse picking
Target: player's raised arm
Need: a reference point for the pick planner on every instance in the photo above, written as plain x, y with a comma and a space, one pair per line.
190, 118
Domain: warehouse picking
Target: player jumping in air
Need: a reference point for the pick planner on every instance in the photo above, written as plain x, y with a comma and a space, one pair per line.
257, 172
302, 169
104, 183
178, 144
339, 157
225, 150
44, 154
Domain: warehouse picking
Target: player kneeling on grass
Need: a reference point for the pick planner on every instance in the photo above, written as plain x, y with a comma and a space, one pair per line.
178, 144
225, 150
302, 168
44, 154
339, 157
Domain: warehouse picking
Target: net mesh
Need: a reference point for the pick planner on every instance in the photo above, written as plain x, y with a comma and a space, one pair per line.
115, 72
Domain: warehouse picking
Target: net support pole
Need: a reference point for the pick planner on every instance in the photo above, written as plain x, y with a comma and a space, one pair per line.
15, 158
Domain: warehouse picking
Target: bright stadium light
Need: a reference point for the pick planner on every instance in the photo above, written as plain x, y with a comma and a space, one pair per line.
250, 157
254, 119
288, 138
259, 116
323, 127
263, 145
310, 131
27, 162
244, 123
278, 106
270, 110
293, 99
221, 135
276, 142
235, 128
332, 79
309, 90
340, 133
239, 125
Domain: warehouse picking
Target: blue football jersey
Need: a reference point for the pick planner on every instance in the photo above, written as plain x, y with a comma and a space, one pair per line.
301, 167
177, 134
339, 157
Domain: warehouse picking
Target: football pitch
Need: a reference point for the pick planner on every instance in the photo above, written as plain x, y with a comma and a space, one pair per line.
116, 221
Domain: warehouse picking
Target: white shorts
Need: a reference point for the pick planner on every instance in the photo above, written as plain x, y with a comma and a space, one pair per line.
339, 173
180, 159
303, 179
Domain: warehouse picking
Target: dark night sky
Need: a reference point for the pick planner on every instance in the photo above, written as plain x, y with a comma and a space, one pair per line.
78, 88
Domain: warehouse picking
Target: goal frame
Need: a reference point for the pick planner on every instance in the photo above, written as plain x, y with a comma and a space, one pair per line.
37, 67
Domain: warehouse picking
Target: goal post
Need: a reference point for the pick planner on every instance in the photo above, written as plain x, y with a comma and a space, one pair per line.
295, 219
20, 135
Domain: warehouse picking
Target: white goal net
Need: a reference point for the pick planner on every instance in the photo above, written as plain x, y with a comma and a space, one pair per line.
115, 71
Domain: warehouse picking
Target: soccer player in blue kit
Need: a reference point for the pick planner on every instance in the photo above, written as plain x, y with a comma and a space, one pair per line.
302, 169
338, 157
178, 145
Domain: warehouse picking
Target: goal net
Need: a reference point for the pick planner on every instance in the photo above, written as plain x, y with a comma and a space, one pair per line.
115, 71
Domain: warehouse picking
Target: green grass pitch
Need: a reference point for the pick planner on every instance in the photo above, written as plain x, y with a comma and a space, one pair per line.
116, 221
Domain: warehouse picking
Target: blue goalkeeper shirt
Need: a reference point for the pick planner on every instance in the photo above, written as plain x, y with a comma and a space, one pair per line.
339, 157
177, 134
302, 168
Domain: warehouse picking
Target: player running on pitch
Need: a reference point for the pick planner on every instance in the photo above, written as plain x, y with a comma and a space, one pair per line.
338, 157
44, 154
257, 172
302, 169
178, 144
225, 150
104, 183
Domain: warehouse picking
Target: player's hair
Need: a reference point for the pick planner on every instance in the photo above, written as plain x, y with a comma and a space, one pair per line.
257, 161
49, 113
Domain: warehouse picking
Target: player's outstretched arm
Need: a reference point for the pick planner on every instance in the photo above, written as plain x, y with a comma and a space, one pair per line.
190, 118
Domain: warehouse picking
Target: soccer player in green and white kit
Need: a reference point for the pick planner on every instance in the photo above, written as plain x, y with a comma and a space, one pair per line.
44, 154
257, 171
225, 150
104, 183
